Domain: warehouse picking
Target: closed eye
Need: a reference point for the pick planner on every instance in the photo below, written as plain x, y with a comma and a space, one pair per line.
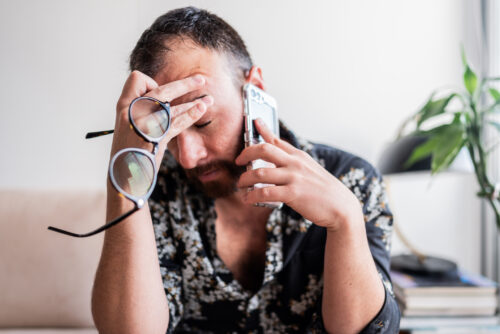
199, 126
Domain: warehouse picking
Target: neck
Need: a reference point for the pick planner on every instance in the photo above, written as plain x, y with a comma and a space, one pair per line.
234, 208
235, 199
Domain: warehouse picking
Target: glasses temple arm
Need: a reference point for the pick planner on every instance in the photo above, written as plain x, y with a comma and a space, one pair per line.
90, 135
100, 229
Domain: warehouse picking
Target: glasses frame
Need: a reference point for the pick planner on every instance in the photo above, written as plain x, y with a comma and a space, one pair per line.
138, 201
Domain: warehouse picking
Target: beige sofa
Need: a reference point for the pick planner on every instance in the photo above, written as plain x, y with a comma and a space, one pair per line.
46, 278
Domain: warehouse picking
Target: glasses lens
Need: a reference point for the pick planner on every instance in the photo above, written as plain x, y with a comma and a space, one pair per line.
134, 173
150, 117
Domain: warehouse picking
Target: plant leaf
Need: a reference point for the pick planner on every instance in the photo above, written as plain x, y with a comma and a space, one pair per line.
444, 144
449, 145
433, 108
451, 140
470, 80
421, 152
430, 132
495, 94
462, 53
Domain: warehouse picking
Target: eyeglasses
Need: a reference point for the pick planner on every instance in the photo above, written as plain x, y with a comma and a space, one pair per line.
132, 171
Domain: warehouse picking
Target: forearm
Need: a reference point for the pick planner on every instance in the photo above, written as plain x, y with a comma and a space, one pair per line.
128, 295
353, 292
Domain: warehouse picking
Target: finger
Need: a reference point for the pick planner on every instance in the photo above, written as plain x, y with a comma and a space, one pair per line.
271, 138
137, 84
264, 151
277, 176
181, 108
146, 120
175, 89
268, 194
184, 120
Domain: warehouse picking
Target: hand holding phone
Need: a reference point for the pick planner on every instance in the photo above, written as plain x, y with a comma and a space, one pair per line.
259, 104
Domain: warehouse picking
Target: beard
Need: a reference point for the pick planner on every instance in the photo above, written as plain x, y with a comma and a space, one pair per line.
225, 185
229, 174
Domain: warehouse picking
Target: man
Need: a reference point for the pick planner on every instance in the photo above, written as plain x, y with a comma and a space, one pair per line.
204, 258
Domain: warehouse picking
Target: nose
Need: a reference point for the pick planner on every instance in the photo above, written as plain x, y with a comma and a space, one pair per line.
191, 149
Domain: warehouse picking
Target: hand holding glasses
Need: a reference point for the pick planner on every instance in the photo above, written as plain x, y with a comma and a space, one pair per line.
133, 171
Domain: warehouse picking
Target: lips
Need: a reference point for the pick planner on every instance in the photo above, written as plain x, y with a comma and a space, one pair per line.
209, 175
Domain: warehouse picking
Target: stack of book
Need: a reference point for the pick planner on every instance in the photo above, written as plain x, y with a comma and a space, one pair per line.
431, 303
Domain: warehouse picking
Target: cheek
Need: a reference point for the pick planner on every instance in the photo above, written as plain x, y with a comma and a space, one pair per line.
229, 137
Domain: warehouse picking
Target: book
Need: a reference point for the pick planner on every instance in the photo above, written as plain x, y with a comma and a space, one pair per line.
459, 330
467, 284
445, 301
468, 294
433, 322
448, 311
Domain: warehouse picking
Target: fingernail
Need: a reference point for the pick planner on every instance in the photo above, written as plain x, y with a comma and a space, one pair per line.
199, 79
208, 100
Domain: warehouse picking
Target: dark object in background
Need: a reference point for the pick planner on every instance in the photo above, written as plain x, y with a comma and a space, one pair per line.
393, 161
428, 267
395, 155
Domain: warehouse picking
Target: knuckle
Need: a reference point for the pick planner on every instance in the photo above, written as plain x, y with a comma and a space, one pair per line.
260, 173
183, 85
297, 162
275, 141
163, 92
300, 153
293, 178
200, 106
119, 106
195, 111
123, 115
196, 80
265, 192
180, 123
293, 191
266, 148
304, 154
135, 75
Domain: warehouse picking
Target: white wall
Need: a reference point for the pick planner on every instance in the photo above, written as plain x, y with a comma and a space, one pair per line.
439, 216
344, 72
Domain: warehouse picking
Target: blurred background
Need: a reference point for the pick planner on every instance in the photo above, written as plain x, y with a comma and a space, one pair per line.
344, 73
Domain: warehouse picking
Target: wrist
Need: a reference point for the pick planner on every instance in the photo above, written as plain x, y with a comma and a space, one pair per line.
116, 203
350, 219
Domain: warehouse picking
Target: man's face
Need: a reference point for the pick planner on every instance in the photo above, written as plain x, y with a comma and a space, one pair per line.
207, 149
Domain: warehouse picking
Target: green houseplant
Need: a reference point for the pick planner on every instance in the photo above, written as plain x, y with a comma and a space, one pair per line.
456, 120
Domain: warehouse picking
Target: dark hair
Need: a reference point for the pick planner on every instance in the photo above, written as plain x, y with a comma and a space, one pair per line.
202, 27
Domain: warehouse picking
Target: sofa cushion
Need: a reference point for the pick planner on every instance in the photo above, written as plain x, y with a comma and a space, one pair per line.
49, 331
46, 278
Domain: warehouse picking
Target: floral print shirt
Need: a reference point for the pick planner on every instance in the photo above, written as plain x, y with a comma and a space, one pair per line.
203, 296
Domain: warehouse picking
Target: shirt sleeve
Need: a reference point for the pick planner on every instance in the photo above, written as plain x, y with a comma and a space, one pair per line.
370, 189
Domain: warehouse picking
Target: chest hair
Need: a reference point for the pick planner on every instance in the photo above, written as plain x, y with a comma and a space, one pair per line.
241, 245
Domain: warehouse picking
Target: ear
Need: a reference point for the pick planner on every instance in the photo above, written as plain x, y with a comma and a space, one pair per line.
254, 76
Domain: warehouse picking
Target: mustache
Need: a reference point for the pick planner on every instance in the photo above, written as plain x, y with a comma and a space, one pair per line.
217, 164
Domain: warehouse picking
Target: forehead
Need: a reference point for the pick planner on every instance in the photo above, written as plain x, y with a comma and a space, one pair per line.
186, 58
